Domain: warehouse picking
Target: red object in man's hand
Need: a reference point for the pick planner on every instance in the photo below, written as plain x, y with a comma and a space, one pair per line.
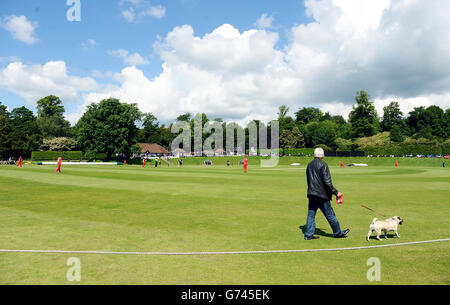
340, 200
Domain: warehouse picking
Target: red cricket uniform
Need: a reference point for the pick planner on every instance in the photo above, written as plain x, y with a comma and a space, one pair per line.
19, 162
245, 164
143, 163
58, 170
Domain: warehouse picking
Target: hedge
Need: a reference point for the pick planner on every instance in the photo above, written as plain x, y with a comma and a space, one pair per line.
91, 156
53, 155
298, 151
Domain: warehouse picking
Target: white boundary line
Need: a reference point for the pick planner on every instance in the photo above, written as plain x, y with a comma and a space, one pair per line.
221, 253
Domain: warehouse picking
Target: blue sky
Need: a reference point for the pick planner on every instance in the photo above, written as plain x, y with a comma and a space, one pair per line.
102, 21
317, 59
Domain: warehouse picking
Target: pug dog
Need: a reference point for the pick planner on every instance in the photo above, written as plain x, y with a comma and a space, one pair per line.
387, 225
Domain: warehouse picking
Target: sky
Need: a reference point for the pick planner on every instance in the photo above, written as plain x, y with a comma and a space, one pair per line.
235, 60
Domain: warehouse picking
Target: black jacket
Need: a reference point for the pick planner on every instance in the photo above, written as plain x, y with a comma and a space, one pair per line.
319, 180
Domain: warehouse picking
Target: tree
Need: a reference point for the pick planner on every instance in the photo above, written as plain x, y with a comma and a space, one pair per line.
396, 134
25, 136
308, 114
428, 122
282, 112
285, 121
437, 122
299, 136
59, 144
323, 146
416, 119
151, 128
392, 116
53, 127
50, 106
326, 117
136, 149
321, 133
3, 110
344, 145
447, 122
363, 118
109, 127
426, 132
292, 139
50, 118
166, 136
339, 120
287, 140
5, 136
343, 128
185, 117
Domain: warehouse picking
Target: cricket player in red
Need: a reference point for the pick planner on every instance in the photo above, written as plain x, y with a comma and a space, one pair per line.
342, 164
143, 163
19, 162
396, 163
245, 163
58, 170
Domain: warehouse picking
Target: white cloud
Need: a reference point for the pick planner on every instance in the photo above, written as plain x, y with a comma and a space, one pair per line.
130, 59
138, 3
360, 13
337, 109
408, 104
224, 73
265, 21
74, 117
33, 82
136, 10
395, 51
89, 44
129, 14
20, 28
224, 50
158, 12
9, 59
97, 74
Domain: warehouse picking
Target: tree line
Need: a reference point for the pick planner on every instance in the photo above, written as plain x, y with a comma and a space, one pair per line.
111, 127
312, 128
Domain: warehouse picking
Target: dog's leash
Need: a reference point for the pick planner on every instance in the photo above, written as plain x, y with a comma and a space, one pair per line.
373, 211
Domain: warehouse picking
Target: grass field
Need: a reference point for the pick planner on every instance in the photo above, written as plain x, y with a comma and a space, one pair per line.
198, 208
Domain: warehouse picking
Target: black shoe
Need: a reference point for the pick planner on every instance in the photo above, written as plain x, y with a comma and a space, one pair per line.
343, 234
312, 237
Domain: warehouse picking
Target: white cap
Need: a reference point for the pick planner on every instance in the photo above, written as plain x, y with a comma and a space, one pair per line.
319, 153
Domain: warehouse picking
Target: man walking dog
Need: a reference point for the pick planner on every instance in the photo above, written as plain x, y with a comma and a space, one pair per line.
320, 192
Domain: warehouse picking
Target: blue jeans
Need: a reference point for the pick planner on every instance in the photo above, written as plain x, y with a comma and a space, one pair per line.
325, 206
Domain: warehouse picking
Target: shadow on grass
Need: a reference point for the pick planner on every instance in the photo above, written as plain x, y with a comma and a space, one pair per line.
382, 237
317, 232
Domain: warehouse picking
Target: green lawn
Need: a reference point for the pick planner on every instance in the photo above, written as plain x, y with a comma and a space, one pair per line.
198, 208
